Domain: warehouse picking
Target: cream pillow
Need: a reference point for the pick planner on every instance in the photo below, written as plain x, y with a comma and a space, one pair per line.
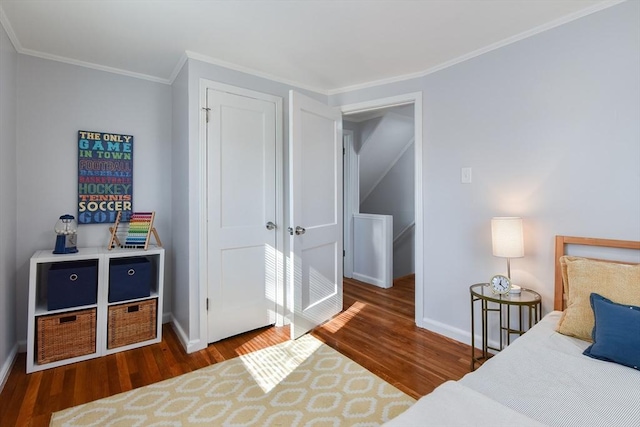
581, 276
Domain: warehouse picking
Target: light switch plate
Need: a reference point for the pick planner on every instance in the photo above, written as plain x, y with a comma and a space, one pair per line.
465, 175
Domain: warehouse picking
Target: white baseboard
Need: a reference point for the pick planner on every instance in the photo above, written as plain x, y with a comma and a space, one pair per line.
189, 346
184, 340
167, 317
457, 334
7, 365
447, 330
370, 280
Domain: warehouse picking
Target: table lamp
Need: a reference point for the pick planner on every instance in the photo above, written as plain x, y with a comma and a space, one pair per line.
507, 240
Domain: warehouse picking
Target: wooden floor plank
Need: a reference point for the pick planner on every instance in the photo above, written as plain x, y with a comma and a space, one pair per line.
376, 329
44, 401
124, 378
28, 404
13, 392
113, 378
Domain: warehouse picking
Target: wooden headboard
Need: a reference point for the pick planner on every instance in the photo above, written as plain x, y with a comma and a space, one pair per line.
562, 241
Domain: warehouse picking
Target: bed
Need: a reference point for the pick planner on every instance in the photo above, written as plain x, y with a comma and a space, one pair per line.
543, 378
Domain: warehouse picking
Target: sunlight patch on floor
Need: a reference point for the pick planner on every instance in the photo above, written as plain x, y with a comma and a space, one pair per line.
271, 365
343, 318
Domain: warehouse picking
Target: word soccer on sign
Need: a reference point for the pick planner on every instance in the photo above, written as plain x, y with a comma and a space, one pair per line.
105, 177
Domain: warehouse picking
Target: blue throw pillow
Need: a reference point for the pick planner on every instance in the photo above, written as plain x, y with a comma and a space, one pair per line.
616, 334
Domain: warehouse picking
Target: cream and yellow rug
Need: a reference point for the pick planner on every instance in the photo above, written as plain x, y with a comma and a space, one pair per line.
297, 383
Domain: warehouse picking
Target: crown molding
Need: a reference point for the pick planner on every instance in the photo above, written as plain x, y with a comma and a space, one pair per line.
4, 21
176, 70
253, 72
524, 35
327, 92
20, 49
94, 66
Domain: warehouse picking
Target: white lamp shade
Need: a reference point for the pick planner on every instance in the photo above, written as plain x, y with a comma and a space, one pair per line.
506, 237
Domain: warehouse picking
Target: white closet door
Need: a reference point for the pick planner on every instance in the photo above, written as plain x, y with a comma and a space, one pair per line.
241, 186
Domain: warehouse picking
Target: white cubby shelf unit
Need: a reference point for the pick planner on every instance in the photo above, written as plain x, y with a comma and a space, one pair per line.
102, 258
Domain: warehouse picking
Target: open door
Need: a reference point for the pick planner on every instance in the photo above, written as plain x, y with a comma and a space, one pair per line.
315, 176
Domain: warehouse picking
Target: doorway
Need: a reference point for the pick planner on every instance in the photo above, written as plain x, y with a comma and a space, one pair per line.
374, 108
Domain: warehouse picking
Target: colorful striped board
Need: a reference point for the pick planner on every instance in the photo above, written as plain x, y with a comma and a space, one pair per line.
140, 230
140, 226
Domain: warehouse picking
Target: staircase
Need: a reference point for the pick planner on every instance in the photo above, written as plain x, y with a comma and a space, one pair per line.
386, 163
384, 141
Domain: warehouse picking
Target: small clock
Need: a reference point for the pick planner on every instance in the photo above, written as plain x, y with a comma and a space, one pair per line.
500, 284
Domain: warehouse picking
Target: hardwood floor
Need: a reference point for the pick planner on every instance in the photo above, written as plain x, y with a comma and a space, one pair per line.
380, 334
376, 330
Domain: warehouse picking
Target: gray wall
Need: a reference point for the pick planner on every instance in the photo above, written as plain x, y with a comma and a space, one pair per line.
550, 126
8, 195
180, 227
55, 100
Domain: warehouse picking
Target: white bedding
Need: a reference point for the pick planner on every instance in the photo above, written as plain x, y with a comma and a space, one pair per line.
543, 378
454, 405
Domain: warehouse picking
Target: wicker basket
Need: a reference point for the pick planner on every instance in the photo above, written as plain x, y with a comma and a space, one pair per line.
131, 323
65, 335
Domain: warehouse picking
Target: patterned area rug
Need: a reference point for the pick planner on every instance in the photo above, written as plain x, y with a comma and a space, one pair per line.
297, 383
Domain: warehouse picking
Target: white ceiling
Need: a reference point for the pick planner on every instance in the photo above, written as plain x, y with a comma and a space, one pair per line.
326, 46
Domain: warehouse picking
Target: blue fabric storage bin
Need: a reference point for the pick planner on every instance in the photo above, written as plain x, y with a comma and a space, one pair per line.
72, 284
129, 278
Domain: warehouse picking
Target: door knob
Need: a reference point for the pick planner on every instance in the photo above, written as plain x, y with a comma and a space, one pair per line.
300, 230
271, 226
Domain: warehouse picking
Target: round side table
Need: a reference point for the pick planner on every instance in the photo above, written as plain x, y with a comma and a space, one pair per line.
502, 304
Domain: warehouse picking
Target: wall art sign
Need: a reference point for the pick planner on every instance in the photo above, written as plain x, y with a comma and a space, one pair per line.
105, 177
